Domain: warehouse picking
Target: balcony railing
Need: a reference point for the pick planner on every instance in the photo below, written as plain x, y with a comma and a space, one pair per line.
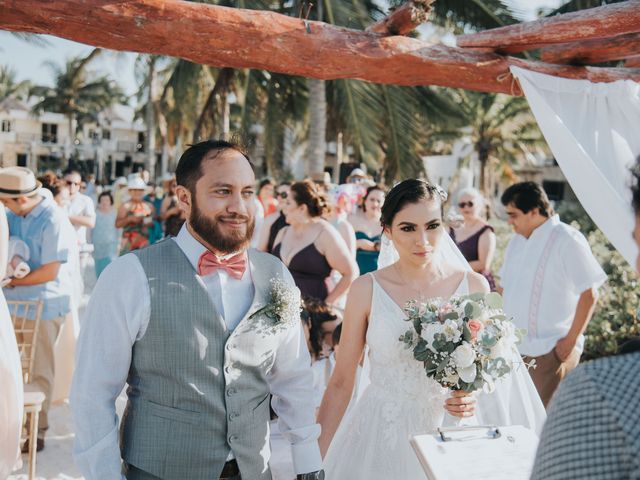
27, 137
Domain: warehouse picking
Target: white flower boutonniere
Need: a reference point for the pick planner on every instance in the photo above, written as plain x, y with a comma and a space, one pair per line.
284, 304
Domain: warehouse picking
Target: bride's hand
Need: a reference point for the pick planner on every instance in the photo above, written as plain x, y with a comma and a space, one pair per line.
460, 404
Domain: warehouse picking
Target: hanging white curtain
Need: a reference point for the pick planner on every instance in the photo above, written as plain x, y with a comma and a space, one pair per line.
593, 130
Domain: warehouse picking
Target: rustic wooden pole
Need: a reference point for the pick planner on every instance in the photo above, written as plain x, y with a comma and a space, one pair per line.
633, 62
610, 20
593, 51
403, 19
238, 38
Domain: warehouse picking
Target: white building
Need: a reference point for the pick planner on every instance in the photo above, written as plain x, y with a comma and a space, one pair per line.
114, 144
38, 142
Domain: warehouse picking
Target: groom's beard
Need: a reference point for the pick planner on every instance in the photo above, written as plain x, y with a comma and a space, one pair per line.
209, 230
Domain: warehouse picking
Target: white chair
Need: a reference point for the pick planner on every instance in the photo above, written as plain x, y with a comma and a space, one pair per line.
26, 335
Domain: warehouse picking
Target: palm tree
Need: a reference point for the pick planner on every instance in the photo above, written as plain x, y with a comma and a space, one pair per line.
502, 130
10, 86
75, 93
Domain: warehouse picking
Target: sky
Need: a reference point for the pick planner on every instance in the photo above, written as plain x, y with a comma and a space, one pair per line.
28, 60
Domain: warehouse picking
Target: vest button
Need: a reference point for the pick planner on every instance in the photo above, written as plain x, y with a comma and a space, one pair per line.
233, 416
231, 391
230, 346
227, 369
233, 439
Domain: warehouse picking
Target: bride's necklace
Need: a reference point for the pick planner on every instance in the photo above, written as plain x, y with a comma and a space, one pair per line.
421, 295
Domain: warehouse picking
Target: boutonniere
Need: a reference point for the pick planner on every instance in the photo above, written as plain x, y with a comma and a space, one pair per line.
284, 304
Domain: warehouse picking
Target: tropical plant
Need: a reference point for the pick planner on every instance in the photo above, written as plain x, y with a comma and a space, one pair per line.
502, 130
10, 86
76, 93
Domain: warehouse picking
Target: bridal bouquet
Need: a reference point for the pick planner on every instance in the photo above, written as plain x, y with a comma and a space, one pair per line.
465, 343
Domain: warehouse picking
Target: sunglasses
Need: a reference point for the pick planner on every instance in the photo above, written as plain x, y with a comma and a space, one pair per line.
282, 195
69, 182
465, 204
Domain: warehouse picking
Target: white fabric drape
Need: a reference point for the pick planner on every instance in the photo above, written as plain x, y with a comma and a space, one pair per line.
592, 130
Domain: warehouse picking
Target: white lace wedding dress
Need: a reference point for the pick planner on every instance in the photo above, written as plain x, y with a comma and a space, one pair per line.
372, 441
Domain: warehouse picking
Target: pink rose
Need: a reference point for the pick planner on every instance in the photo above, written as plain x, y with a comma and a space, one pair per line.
475, 326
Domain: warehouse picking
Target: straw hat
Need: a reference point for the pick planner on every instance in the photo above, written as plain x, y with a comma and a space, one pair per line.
18, 182
136, 183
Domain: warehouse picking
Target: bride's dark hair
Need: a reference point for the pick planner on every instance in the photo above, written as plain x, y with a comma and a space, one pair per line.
407, 192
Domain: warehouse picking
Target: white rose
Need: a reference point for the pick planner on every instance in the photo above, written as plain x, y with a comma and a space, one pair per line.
464, 356
468, 374
452, 331
429, 332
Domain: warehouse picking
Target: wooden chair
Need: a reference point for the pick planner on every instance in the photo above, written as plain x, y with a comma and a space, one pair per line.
26, 335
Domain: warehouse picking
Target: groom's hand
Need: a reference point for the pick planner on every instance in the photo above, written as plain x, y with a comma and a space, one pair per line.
460, 404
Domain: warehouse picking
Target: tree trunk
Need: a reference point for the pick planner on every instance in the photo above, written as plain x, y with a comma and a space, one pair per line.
150, 118
317, 126
317, 147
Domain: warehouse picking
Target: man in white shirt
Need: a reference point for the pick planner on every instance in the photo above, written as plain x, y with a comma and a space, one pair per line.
82, 212
182, 322
550, 279
82, 215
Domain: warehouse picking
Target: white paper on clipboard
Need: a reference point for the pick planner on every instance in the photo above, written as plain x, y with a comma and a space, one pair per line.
471, 453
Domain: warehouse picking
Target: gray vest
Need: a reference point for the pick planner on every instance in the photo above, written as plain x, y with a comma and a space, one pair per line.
196, 390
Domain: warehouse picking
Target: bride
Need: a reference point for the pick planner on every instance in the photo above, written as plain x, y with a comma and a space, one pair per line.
372, 441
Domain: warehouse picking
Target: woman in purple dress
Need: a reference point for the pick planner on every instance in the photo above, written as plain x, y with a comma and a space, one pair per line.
475, 237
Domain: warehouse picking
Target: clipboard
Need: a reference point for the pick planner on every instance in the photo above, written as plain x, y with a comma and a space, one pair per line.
482, 452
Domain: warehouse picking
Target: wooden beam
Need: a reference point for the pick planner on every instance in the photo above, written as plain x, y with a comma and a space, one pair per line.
601, 22
633, 62
403, 19
593, 51
237, 38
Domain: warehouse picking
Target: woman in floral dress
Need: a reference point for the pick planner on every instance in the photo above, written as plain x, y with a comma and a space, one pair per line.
135, 217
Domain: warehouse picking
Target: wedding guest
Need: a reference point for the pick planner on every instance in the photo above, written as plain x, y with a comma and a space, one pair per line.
65, 344
550, 280
475, 237
82, 215
265, 195
105, 235
38, 221
319, 321
11, 393
310, 247
170, 212
357, 176
135, 217
183, 323
368, 230
274, 222
119, 191
593, 428
337, 215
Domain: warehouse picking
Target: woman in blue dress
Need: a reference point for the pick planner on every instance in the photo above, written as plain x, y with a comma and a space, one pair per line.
366, 223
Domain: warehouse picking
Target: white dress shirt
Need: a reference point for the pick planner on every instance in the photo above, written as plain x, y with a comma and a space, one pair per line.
117, 316
81, 206
543, 277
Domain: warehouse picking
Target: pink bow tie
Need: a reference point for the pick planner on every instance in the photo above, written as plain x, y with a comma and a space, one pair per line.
234, 266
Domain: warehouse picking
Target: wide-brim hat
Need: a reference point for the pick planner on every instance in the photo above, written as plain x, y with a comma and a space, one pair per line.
136, 183
18, 182
357, 172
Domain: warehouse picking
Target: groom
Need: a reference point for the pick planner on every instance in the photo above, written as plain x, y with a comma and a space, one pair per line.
183, 323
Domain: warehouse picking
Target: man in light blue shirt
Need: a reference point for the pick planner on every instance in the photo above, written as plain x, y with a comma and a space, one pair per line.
38, 222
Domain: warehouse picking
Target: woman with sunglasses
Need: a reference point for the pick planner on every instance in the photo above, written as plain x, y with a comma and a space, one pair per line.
275, 222
475, 237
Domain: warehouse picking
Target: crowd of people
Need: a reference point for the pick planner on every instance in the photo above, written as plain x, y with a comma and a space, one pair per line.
327, 236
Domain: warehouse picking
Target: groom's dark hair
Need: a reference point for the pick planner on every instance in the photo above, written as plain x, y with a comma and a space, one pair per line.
189, 168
